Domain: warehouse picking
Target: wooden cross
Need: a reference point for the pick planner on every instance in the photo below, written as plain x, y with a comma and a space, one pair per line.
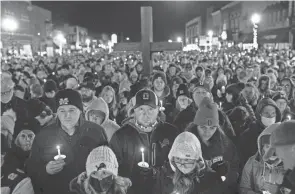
147, 46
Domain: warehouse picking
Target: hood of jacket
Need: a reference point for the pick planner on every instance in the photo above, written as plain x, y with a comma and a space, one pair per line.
263, 103
100, 105
166, 92
265, 132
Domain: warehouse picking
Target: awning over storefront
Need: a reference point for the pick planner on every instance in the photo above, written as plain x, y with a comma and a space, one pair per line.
280, 35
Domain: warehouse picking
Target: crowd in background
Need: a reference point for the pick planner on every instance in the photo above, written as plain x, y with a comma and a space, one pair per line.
204, 122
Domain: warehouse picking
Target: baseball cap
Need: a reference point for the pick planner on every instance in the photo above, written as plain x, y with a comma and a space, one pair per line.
146, 97
283, 135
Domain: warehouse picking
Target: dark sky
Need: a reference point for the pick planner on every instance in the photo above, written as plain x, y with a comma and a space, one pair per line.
169, 17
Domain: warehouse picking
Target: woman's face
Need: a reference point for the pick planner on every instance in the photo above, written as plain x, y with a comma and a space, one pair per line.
188, 165
159, 84
108, 96
175, 86
229, 97
172, 71
206, 132
286, 86
282, 104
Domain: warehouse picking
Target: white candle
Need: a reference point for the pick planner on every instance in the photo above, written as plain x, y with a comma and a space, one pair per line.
289, 117
161, 103
58, 150
220, 104
142, 154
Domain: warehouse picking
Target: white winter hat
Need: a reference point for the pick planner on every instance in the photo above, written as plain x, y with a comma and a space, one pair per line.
185, 146
99, 155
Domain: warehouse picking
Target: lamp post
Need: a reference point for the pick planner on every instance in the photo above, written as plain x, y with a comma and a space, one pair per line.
179, 39
210, 34
255, 20
10, 25
87, 41
60, 37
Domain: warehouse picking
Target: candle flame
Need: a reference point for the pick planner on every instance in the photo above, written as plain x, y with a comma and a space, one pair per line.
141, 149
58, 147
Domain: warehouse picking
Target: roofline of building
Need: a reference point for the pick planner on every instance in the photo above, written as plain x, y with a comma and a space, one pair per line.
215, 12
230, 4
193, 20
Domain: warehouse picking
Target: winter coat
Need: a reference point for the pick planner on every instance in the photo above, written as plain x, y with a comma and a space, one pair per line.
259, 176
220, 148
76, 148
50, 102
13, 173
19, 106
292, 106
80, 184
109, 126
247, 143
126, 144
187, 116
289, 182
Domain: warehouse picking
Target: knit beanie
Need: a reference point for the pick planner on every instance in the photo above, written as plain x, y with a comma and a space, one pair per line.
207, 113
160, 74
87, 85
102, 155
50, 86
185, 146
69, 97
182, 91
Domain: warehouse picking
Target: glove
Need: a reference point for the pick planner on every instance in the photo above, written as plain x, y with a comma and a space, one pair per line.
221, 168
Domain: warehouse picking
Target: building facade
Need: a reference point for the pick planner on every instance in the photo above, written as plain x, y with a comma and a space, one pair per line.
193, 30
32, 25
75, 35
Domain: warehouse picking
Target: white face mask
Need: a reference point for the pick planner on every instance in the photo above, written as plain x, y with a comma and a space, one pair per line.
268, 121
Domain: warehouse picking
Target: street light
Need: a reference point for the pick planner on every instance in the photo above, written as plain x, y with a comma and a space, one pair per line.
127, 38
179, 39
169, 40
210, 34
61, 39
255, 20
9, 24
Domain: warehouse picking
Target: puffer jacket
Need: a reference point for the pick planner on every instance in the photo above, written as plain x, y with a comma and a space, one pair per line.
247, 143
76, 148
260, 176
81, 185
109, 126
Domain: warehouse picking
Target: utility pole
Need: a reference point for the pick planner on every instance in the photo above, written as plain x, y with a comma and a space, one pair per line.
291, 14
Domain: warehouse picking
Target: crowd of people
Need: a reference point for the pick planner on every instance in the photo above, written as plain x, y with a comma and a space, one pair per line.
215, 122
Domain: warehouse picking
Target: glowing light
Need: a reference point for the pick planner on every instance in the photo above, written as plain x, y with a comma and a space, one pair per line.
9, 24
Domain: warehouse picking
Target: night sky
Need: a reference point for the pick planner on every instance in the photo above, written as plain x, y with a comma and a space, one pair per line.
169, 17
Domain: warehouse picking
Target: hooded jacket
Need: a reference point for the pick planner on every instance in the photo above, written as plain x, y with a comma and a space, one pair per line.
220, 148
88, 105
109, 126
126, 144
77, 147
247, 143
258, 175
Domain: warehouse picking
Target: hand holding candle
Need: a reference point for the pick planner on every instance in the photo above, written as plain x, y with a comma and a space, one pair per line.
59, 155
143, 164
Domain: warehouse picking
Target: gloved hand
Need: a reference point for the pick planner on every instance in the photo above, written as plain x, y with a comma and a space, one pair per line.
221, 168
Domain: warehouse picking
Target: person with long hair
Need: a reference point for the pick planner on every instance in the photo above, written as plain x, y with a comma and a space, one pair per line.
109, 96
191, 173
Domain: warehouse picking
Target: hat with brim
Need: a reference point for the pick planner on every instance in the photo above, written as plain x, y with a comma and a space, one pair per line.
146, 97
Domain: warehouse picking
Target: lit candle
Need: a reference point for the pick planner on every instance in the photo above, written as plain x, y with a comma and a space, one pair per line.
161, 103
220, 104
289, 117
142, 154
223, 89
223, 178
58, 150
45, 80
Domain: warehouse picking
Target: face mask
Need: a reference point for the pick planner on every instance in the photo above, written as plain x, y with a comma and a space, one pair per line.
268, 121
101, 185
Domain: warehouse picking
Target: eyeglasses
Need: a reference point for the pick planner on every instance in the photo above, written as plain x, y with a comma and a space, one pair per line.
29, 136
